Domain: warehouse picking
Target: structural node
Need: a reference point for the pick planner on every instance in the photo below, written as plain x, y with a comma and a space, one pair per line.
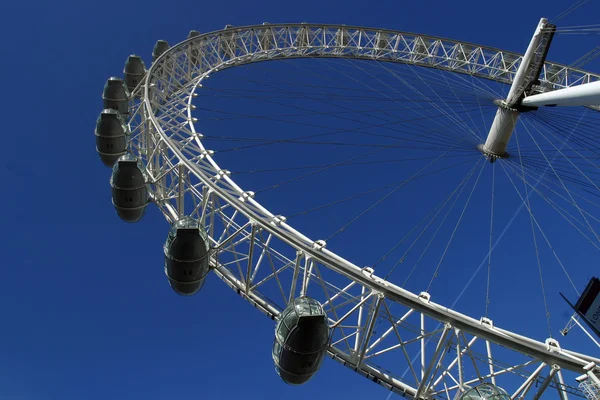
129, 188
194, 53
112, 136
301, 340
186, 256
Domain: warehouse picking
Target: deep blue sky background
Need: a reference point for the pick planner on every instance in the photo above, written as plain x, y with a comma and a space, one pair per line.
86, 309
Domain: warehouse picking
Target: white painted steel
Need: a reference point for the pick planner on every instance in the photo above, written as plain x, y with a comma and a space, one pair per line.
587, 94
164, 136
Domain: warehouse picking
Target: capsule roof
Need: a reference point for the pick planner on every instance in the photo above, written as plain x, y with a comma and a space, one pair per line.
110, 123
307, 307
159, 48
134, 65
115, 89
193, 33
485, 391
185, 223
128, 159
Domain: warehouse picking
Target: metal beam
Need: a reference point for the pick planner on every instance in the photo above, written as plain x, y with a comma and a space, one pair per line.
587, 94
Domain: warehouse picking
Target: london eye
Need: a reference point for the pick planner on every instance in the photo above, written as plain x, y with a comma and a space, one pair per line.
445, 134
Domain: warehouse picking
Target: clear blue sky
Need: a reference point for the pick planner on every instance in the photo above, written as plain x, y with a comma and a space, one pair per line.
87, 311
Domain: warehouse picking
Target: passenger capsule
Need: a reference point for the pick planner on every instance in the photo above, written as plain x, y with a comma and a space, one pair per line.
134, 71
485, 391
159, 48
186, 256
112, 136
116, 95
301, 340
129, 188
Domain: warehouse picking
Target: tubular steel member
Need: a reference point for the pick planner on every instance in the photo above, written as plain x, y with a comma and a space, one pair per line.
509, 109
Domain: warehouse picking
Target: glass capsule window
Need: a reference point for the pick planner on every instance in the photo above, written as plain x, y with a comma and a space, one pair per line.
185, 223
129, 157
485, 391
276, 351
306, 306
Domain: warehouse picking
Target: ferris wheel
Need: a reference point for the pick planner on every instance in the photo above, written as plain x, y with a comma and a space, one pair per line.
324, 304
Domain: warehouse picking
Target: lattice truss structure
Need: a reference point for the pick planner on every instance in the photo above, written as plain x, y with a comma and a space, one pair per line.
400, 340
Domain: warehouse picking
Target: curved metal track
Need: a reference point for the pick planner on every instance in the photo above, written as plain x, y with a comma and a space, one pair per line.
256, 249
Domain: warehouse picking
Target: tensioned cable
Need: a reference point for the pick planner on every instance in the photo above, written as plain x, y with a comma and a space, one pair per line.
560, 210
568, 11
343, 228
335, 131
399, 69
562, 184
435, 274
460, 186
537, 253
376, 77
534, 189
438, 207
397, 160
347, 109
355, 196
409, 86
346, 161
489, 272
568, 159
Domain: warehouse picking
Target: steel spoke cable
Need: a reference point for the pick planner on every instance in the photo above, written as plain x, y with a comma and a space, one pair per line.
566, 176
568, 11
353, 120
379, 80
436, 272
462, 186
356, 218
439, 209
386, 125
532, 221
451, 117
489, 271
568, 158
233, 93
537, 254
366, 112
349, 164
358, 195
544, 181
397, 244
357, 130
460, 86
469, 91
560, 210
563, 185
305, 68
558, 124
441, 138
335, 131
409, 86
